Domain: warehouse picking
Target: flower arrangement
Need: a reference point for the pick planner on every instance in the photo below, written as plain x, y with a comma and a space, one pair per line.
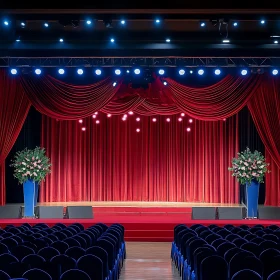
249, 166
31, 165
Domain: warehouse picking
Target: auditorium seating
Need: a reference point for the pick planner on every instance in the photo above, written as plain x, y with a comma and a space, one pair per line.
61, 252
231, 252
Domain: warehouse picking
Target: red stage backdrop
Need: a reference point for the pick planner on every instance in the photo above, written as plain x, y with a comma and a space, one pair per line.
110, 161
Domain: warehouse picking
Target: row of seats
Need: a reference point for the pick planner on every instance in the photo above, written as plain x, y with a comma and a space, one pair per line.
61, 252
229, 252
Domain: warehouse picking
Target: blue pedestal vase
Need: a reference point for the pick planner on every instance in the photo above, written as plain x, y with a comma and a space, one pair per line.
29, 190
252, 198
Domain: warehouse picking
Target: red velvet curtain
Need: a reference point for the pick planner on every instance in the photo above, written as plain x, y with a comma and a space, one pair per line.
272, 182
14, 107
163, 162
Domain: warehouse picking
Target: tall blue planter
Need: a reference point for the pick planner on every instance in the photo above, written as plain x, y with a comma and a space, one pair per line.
252, 199
29, 190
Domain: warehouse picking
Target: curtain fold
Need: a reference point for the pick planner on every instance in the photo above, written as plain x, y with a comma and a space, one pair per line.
264, 107
14, 107
110, 161
272, 182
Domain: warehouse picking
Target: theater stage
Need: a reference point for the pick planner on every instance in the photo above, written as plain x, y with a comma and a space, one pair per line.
143, 221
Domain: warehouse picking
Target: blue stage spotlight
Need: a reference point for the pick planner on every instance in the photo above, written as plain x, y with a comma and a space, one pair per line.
202, 24
165, 83
182, 72
88, 22
98, 72
137, 71
161, 72
61, 71
200, 72
235, 24
274, 72
13, 71
123, 22
114, 84
80, 71
61, 40
167, 40
217, 72
117, 71
157, 21
38, 71
6, 23
112, 40
262, 21
46, 24
244, 72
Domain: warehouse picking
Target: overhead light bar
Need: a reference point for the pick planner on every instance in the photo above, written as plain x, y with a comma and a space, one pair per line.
226, 41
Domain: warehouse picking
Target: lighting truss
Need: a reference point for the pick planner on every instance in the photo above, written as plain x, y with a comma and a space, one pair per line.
139, 61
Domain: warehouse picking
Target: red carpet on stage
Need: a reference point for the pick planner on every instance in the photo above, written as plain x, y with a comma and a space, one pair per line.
146, 224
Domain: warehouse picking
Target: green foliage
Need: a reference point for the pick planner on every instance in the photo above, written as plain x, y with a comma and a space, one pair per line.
249, 166
31, 164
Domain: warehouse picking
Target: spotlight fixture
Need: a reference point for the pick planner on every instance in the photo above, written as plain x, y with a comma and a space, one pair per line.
274, 72
226, 41
203, 24
98, 72
157, 21
112, 40
154, 119
13, 71
38, 71
6, 22
217, 72
188, 129
167, 40
200, 72
168, 119
22, 24
161, 72
61, 71
123, 22
83, 129
165, 83
108, 23
262, 21
117, 71
60, 40
46, 24
138, 119
137, 129
276, 42
80, 71
244, 72
137, 71
18, 39
182, 72
114, 84
235, 24
88, 22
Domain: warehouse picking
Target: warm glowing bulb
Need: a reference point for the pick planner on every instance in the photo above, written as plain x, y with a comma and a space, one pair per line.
188, 129
80, 121
182, 114
97, 121
109, 115
190, 120
180, 119
123, 118
138, 119
168, 119
94, 116
154, 119
138, 130
224, 120
130, 113
96, 113
83, 129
